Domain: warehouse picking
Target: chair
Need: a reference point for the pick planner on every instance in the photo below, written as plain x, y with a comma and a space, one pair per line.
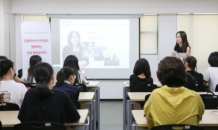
6, 106
39, 126
147, 97
196, 87
30, 85
142, 87
210, 100
177, 127
216, 88
82, 87
20, 73
76, 104
0, 125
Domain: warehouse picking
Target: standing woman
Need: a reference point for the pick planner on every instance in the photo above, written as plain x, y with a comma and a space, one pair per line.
44, 104
28, 74
182, 45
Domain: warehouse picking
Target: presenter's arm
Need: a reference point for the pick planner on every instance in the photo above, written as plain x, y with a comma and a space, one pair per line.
188, 50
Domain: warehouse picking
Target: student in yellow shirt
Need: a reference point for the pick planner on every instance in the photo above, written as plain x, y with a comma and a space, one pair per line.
173, 103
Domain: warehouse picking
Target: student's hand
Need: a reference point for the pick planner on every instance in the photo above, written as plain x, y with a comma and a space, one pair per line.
174, 51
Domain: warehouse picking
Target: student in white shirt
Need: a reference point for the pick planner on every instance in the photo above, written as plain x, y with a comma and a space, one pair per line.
28, 74
72, 62
10, 91
211, 74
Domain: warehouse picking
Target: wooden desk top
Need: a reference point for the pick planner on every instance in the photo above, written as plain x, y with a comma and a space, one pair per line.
208, 119
86, 96
9, 118
140, 96
92, 84
155, 82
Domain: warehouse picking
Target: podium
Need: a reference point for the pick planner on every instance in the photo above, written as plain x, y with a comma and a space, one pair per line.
182, 56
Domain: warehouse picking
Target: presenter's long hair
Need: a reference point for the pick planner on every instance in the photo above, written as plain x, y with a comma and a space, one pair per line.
43, 73
185, 42
34, 59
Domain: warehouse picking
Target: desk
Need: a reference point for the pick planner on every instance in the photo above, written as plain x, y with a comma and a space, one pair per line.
155, 82
136, 97
125, 95
93, 85
208, 119
88, 98
9, 119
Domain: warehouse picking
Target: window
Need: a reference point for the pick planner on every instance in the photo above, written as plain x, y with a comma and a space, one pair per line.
148, 34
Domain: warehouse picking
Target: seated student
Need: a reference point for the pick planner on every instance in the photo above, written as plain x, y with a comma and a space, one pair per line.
173, 103
211, 74
65, 80
16, 79
72, 62
142, 73
192, 75
28, 74
44, 104
10, 91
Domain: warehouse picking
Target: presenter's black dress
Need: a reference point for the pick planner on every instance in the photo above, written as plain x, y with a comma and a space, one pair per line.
178, 48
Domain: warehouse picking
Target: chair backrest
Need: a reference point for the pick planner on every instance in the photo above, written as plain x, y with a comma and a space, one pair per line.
7, 106
216, 88
142, 87
82, 87
147, 97
196, 87
20, 73
76, 104
30, 85
210, 100
39, 126
0, 125
177, 127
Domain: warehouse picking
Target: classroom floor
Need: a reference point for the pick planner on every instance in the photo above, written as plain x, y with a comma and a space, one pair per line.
111, 115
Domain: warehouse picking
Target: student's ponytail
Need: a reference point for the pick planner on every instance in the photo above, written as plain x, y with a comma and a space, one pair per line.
191, 62
61, 77
42, 74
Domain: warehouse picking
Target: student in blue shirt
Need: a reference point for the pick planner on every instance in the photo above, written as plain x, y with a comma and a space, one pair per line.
65, 80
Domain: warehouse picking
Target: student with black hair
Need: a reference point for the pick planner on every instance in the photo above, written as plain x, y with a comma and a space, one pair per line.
44, 104
28, 74
10, 91
211, 74
192, 76
15, 78
65, 80
182, 44
72, 62
173, 103
141, 73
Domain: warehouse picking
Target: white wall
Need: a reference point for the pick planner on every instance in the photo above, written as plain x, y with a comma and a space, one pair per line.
113, 6
2, 28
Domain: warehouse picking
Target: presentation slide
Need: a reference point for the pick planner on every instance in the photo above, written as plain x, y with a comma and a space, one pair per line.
97, 43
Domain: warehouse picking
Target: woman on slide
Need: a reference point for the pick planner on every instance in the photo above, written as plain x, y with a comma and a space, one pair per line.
192, 76
182, 45
74, 47
65, 80
142, 73
44, 104
28, 74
